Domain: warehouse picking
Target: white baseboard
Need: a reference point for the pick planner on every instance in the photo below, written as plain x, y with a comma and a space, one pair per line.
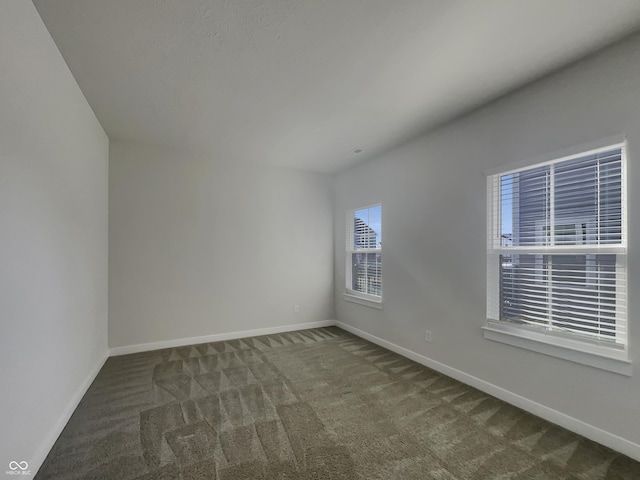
181, 342
573, 424
47, 444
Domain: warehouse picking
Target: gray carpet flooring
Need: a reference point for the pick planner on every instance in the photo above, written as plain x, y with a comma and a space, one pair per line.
313, 404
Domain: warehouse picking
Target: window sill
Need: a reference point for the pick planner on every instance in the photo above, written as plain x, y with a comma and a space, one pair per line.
363, 301
614, 361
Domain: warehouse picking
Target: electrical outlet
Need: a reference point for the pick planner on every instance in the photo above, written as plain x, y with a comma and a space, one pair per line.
296, 309
427, 336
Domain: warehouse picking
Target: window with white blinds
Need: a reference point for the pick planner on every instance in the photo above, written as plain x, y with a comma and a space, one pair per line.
364, 253
557, 249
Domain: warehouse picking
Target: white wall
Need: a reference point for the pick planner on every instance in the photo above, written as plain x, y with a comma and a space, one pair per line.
200, 247
434, 229
53, 240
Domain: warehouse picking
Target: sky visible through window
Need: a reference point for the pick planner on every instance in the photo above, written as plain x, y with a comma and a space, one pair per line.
373, 217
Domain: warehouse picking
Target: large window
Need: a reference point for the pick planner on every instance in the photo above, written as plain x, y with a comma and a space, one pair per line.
364, 253
557, 252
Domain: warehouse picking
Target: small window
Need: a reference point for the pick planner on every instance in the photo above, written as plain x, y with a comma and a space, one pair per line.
556, 263
364, 253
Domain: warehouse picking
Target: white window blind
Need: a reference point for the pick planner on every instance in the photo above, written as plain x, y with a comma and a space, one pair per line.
364, 252
557, 248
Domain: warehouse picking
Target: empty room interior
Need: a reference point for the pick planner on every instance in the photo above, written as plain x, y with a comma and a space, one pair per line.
303, 239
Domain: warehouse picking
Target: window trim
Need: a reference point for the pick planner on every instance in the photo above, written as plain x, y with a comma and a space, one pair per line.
575, 351
351, 295
603, 355
376, 302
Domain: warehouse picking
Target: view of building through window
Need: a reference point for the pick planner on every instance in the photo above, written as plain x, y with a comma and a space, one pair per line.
555, 217
366, 251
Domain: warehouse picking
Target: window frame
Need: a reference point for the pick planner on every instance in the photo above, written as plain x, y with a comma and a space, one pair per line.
350, 294
600, 354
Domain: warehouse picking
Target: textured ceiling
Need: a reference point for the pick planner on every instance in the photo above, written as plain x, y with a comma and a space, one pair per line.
302, 83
